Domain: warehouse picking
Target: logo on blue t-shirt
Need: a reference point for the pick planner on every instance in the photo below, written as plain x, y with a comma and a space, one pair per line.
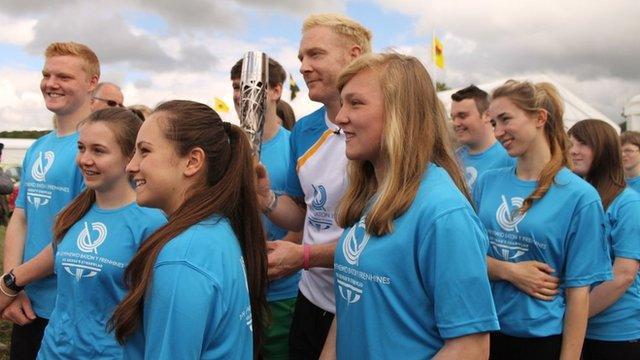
84, 266
245, 315
40, 197
508, 245
351, 290
509, 218
471, 175
351, 248
39, 169
86, 243
86, 262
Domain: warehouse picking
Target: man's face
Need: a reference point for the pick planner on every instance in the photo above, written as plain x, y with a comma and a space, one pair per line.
323, 54
273, 94
65, 86
107, 96
630, 157
236, 94
468, 124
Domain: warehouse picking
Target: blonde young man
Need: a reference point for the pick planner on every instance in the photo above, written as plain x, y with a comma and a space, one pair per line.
50, 180
316, 180
630, 141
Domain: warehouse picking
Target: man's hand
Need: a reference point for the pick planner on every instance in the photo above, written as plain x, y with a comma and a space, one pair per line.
533, 278
284, 258
19, 311
263, 186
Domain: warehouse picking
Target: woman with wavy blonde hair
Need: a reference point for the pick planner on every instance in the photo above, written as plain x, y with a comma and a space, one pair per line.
545, 226
412, 250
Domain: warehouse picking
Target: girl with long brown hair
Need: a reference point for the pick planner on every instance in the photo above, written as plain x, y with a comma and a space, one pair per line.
543, 222
197, 285
95, 236
614, 306
412, 255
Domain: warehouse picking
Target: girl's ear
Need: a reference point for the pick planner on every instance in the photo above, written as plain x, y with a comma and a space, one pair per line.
195, 161
542, 117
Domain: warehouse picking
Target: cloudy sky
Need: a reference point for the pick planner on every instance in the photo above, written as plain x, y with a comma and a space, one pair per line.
164, 49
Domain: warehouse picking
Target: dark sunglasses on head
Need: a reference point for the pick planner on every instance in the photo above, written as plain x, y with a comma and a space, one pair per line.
111, 103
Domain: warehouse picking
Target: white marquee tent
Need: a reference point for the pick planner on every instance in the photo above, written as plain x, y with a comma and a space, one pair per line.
575, 109
632, 113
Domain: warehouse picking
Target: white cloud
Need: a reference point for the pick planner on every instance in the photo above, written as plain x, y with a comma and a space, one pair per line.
16, 31
590, 46
21, 103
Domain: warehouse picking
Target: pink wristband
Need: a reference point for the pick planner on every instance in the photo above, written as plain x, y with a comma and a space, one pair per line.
306, 253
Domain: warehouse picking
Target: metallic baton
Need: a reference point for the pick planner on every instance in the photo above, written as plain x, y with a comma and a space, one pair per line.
253, 96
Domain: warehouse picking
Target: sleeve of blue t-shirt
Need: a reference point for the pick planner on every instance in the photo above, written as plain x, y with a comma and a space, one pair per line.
179, 311
625, 234
476, 192
293, 187
154, 220
454, 270
586, 261
21, 200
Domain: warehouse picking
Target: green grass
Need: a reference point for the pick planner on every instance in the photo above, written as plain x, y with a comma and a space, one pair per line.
5, 326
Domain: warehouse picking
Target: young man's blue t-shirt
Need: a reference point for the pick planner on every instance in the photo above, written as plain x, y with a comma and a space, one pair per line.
197, 303
634, 183
621, 321
565, 229
89, 265
50, 180
401, 295
275, 156
473, 165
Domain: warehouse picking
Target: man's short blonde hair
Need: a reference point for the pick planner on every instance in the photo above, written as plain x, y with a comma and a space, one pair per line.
91, 63
342, 25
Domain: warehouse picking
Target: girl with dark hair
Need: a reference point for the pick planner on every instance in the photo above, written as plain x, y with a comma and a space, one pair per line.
95, 236
614, 306
544, 223
197, 285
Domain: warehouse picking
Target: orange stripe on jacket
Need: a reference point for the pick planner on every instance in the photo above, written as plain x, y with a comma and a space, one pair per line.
312, 150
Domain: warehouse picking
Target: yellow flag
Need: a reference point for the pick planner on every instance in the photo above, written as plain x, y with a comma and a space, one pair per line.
293, 87
220, 106
437, 52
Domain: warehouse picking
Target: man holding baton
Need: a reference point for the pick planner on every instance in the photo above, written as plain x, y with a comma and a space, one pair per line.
316, 181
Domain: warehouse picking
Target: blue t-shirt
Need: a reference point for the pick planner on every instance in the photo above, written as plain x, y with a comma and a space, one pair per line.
197, 304
621, 321
275, 156
634, 183
399, 296
473, 165
50, 180
89, 265
564, 229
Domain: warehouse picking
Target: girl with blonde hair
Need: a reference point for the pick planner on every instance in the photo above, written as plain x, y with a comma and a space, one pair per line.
411, 259
545, 227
